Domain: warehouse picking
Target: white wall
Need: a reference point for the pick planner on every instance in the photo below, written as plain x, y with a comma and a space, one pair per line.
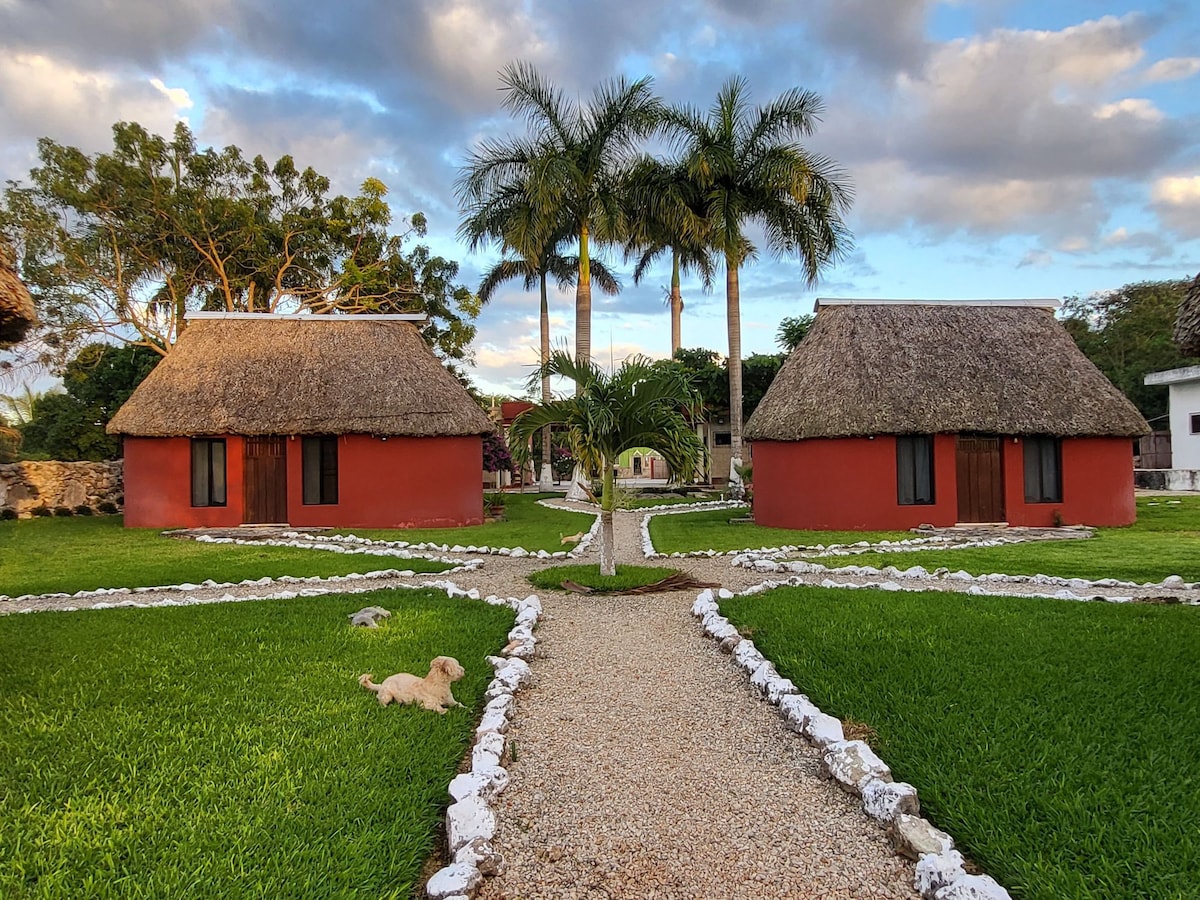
1185, 446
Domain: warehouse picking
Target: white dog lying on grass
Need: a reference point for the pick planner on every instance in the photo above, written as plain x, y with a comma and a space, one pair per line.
431, 692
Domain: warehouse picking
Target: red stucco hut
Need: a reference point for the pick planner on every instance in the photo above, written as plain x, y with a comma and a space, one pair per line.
891, 414
307, 420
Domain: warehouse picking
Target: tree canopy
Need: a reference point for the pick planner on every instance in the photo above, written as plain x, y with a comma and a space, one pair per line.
1127, 333
122, 244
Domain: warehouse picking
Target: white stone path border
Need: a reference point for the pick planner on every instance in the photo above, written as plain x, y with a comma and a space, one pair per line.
920, 573
940, 873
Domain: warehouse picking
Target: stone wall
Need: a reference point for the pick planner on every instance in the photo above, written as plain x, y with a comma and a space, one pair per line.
1167, 479
25, 486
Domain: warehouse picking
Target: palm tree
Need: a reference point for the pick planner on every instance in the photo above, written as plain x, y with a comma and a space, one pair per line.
510, 218
752, 169
570, 165
641, 404
666, 215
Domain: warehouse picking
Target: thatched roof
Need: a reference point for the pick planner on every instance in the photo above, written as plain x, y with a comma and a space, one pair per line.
999, 367
1187, 324
16, 307
300, 375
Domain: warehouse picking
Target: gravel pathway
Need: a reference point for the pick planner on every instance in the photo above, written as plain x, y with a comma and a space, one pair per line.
645, 768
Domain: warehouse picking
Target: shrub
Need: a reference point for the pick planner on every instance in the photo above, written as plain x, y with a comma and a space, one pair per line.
63, 511
108, 507
84, 510
41, 511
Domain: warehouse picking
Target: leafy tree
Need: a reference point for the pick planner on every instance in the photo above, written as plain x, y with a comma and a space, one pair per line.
666, 215
758, 371
122, 244
570, 165
709, 376
1128, 333
792, 330
70, 426
753, 169
639, 405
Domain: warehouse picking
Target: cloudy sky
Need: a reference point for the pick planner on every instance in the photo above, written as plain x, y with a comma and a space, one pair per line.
997, 148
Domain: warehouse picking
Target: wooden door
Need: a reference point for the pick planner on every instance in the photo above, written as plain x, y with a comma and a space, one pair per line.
980, 479
265, 480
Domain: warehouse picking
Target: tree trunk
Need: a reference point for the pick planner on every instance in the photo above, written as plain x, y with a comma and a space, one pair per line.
583, 303
733, 319
676, 304
608, 559
547, 473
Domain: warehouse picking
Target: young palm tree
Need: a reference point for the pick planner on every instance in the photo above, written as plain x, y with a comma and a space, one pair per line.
665, 214
641, 404
570, 165
753, 169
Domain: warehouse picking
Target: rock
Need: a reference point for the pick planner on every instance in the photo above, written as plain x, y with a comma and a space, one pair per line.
914, 837
468, 819
479, 853
936, 871
852, 764
972, 887
778, 688
761, 676
795, 709
1173, 581
459, 879
729, 642
885, 800
485, 782
488, 750
494, 721
747, 656
823, 730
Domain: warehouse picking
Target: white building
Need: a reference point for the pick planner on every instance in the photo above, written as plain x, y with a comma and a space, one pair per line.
1184, 386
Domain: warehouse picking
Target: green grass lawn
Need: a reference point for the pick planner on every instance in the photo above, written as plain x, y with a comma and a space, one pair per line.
46, 555
711, 530
227, 750
526, 524
1057, 742
1164, 541
589, 576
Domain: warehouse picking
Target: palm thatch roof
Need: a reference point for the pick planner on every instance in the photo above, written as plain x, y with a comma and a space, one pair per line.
1187, 324
300, 375
908, 367
16, 306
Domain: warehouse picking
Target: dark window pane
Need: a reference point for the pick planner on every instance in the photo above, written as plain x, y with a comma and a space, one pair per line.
1195, 423
217, 472
723, 439
208, 472
1043, 470
320, 470
200, 469
914, 470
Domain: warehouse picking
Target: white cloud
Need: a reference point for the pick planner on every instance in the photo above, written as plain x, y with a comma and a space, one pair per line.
1038, 258
1176, 199
178, 96
1175, 68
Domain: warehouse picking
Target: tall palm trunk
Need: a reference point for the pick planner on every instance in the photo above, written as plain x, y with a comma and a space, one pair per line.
676, 304
733, 318
547, 473
583, 342
583, 303
608, 559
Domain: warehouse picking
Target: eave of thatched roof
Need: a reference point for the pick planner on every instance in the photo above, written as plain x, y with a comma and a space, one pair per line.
16, 306
1187, 324
300, 375
913, 368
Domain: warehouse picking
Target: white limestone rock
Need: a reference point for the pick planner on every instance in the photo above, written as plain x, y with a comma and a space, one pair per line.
972, 887
485, 782
763, 675
883, 801
725, 594
778, 688
823, 730
936, 871
747, 656
495, 721
488, 750
915, 837
457, 880
852, 764
795, 709
468, 819
482, 855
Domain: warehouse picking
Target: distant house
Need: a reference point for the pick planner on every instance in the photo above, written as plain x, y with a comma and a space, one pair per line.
308, 420
1184, 413
891, 414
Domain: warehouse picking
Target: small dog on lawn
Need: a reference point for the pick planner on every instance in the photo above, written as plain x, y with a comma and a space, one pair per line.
431, 692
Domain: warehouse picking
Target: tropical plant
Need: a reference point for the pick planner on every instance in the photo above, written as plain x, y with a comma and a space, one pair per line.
638, 405
570, 165
752, 169
665, 214
792, 330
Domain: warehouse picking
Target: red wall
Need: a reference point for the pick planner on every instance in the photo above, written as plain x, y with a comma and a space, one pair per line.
398, 482
849, 484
